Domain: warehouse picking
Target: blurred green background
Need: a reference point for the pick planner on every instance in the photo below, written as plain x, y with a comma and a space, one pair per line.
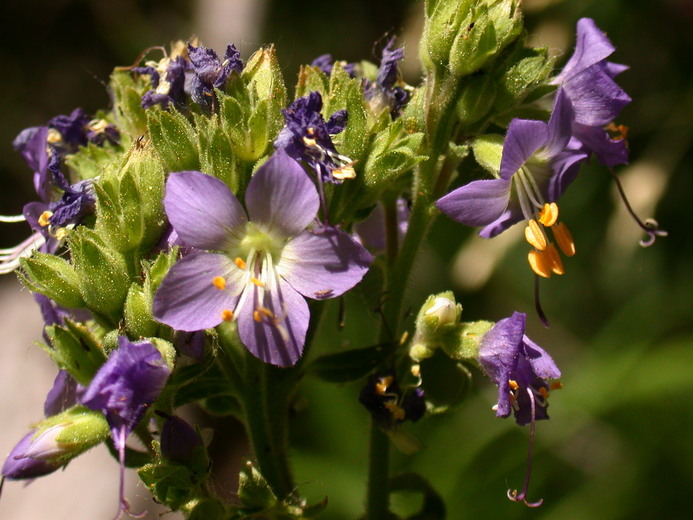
618, 445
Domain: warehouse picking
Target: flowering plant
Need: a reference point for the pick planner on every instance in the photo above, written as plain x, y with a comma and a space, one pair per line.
186, 244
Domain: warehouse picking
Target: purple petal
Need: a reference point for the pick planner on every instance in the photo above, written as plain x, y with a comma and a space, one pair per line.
566, 167
64, 394
560, 124
597, 99
323, 264
279, 340
542, 364
479, 203
281, 196
17, 466
500, 347
523, 139
592, 46
203, 211
187, 299
595, 139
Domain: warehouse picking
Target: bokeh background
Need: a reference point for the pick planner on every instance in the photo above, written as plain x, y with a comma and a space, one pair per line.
618, 445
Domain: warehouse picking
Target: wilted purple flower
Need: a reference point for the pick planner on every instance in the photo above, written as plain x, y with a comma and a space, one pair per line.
535, 170
597, 100
325, 63
307, 137
167, 78
69, 132
388, 404
520, 368
255, 270
123, 388
387, 91
210, 73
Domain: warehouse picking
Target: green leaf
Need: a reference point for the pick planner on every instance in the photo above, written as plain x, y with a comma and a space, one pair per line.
351, 365
433, 506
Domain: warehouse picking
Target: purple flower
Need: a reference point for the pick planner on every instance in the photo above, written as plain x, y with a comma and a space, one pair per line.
535, 170
32, 144
255, 268
520, 368
179, 440
325, 63
388, 404
597, 100
307, 137
78, 129
64, 394
123, 389
167, 78
387, 91
210, 72
19, 465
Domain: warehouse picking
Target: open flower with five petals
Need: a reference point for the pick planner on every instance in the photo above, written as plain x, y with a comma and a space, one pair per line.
255, 267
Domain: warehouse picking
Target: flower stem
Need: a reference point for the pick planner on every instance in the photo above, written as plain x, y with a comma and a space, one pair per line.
378, 500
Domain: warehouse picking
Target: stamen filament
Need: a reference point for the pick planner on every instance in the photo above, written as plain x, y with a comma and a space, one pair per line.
12, 218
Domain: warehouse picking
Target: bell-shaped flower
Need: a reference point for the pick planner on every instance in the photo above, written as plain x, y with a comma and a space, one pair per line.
535, 169
254, 268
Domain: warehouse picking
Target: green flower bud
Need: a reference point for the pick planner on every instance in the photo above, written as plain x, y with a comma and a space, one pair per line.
52, 276
444, 20
311, 79
174, 139
253, 489
75, 349
139, 319
477, 96
436, 325
127, 94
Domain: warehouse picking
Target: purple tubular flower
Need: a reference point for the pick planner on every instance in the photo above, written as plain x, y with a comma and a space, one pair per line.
307, 137
520, 368
210, 73
536, 168
123, 388
19, 466
597, 100
385, 91
32, 143
255, 268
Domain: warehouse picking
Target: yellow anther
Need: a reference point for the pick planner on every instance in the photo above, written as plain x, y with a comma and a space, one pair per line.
403, 339
553, 259
344, 173
61, 233
240, 263
256, 316
513, 384
556, 385
396, 410
544, 392
219, 282
53, 136
564, 239
310, 130
549, 214
538, 263
257, 282
382, 385
44, 218
309, 142
227, 315
415, 370
535, 235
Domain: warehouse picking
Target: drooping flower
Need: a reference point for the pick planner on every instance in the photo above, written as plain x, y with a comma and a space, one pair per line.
210, 72
587, 80
388, 90
255, 268
520, 368
307, 138
123, 389
388, 404
536, 168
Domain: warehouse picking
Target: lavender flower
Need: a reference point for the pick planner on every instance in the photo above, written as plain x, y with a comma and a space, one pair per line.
255, 270
520, 368
19, 465
597, 100
535, 170
387, 91
307, 137
123, 388
325, 63
210, 72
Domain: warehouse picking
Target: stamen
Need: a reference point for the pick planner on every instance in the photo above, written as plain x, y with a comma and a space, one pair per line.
382, 385
538, 263
522, 495
544, 392
556, 385
396, 410
346, 172
227, 315
564, 239
219, 283
549, 214
618, 132
257, 282
257, 317
44, 218
310, 131
309, 142
553, 259
61, 233
240, 263
513, 384
535, 235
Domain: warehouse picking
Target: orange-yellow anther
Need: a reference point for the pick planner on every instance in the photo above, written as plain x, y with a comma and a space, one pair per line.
256, 316
538, 263
44, 219
549, 214
240, 263
61, 233
544, 392
382, 385
535, 235
310, 130
513, 384
619, 132
344, 173
553, 259
396, 410
257, 282
556, 385
227, 315
262, 312
309, 142
564, 239
415, 370
219, 282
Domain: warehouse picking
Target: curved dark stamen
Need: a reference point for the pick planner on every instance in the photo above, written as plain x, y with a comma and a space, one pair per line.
2, 484
537, 303
522, 495
650, 226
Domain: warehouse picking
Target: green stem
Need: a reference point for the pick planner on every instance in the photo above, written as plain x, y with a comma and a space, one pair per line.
378, 500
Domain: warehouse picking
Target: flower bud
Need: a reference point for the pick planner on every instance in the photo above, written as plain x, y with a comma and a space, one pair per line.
435, 325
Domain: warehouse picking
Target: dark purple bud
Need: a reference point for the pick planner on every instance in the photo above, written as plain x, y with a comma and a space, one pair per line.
64, 394
178, 440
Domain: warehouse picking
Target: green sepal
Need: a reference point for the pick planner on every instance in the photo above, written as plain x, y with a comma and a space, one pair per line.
253, 490
217, 157
442, 24
174, 139
346, 92
139, 320
488, 151
171, 484
311, 79
166, 349
91, 160
75, 349
101, 271
351, 365
432, 506
52, 276
127, 94
477, 96
469, 337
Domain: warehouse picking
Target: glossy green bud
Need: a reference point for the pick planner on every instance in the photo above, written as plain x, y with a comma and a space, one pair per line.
436, 325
